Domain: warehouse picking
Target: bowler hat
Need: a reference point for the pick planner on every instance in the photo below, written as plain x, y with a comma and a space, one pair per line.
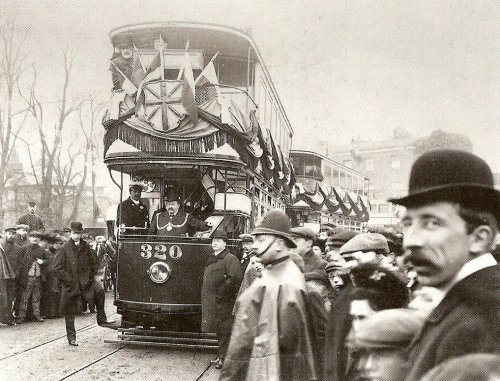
451, 175
275, 222
366, 242
302, 232
76, 227
171, 195
219, 234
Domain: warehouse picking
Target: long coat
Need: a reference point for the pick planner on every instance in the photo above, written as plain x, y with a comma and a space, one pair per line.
76, 267
221, 280
466, 321
34, 221
271, 338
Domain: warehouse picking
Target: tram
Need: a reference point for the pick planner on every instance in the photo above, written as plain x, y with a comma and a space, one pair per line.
327, 193
193, 108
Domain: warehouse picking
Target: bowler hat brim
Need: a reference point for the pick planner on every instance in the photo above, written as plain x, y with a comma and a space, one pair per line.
482, 196
286, 237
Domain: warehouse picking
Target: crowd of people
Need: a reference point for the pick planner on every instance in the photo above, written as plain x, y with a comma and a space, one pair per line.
339, 305
46, 275
379, 306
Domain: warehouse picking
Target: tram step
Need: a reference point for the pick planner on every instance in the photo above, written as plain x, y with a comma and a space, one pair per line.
154, 332
186, 340
156, 344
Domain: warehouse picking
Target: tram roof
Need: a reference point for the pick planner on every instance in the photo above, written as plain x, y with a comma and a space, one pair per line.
144, 163
212, 37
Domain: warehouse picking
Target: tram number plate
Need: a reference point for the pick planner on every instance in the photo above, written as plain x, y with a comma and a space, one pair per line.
175, 252
160, 251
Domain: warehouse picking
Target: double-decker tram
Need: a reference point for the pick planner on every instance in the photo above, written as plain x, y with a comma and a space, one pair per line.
193, 113
328, 193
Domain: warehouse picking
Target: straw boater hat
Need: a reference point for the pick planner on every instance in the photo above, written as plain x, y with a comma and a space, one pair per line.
452, 175
277, 223
136, 185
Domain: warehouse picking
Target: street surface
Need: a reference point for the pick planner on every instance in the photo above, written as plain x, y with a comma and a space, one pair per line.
40, 351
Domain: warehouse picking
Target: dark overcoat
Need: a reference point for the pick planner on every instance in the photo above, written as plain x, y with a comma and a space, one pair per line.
221, 281
466, 321
27, 255
76, 267
132, 214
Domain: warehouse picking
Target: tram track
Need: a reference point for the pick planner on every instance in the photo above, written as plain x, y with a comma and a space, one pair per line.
103, 357
83, 329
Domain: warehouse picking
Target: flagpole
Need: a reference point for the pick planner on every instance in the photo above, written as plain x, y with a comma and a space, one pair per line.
140, 60
161, 59
182, 68
118, 70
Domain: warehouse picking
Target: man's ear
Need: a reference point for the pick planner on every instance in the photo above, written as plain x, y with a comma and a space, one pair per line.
482, 240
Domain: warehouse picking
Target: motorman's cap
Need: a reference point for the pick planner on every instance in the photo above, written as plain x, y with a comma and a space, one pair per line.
246, 238
452, 175
366, 242
136, 185
302, 232
23, 226
276, 222
389, 329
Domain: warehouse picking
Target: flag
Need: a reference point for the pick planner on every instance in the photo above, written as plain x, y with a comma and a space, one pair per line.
155, 64
138, 73
153, 72
127, 85
208, 75
188, 88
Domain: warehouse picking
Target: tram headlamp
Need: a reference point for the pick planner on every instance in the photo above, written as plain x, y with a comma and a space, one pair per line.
159, 272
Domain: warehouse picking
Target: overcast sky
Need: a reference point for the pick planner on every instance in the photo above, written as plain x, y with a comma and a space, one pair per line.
350, 68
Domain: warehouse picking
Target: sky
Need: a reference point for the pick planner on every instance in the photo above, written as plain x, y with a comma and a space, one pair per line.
342, 69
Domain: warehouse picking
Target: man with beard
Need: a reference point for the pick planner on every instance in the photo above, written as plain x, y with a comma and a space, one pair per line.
7, 276
449, 228
132, 212
271, 337
173, 221
33, 220
75, 265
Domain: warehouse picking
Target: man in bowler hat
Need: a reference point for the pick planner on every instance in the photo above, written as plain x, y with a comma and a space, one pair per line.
76, 265
271, 337
174, 221
449, 228
132, 212
221, 280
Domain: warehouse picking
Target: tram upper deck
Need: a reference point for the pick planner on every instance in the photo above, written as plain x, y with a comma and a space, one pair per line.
195, 93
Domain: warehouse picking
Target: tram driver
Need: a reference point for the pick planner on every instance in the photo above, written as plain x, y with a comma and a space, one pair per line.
132, 212
172, 221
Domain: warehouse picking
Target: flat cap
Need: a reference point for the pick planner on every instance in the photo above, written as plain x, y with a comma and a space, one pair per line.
246, 238
10, 229
336, 264
386, 329
302, 232
341, 237
31, 203
35, 234
22, 226
366, 242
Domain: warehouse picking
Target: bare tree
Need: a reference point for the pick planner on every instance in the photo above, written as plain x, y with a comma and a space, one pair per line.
12, 66
52, 140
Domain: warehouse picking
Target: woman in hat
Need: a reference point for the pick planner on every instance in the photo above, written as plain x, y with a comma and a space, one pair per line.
221, 280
